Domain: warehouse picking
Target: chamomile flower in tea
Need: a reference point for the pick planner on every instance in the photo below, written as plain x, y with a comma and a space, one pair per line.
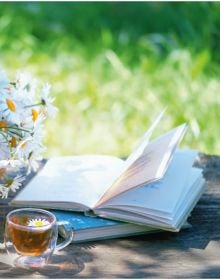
38, 223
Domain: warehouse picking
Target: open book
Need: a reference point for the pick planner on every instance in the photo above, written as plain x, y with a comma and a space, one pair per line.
156, 186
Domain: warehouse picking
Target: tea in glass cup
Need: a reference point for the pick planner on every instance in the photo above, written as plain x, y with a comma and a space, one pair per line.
31, 236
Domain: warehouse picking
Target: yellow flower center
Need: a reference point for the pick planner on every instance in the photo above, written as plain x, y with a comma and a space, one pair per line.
2, 172
38, 223
34, 115
11, 105
13, 142
23, 145
9, 182
3, 124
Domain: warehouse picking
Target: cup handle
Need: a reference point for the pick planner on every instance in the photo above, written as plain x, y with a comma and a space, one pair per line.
68, 233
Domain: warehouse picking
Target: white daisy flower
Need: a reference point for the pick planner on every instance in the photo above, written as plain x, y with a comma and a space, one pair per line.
38, 223
3, 191
26, 146
39, 132
10, 109
16, 183
47, 101
33, 160
11, 184
33, 121
25, 81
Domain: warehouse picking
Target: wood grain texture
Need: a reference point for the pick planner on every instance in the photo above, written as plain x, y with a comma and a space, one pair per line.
192, 253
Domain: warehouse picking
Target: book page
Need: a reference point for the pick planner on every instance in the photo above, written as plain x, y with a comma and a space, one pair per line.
163, 196
139, 149
77, 179
150, 166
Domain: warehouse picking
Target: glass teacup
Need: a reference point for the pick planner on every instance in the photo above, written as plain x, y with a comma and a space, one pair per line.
31, 236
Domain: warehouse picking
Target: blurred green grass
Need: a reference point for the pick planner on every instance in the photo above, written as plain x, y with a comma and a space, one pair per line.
114, 65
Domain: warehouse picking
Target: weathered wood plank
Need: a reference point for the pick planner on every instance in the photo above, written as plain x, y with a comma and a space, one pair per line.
192, 253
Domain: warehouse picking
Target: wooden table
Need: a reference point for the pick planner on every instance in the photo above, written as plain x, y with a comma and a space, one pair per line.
192, 253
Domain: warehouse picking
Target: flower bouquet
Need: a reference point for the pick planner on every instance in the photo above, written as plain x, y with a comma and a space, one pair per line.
23, 110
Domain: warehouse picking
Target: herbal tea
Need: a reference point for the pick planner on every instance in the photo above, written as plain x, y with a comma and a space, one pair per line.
32, 240
31, 237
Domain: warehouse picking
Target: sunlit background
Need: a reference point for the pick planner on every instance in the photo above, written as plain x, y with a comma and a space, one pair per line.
114, 66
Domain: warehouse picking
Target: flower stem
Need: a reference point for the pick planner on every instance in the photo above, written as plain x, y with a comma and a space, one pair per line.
16, 128
4, 136
33, 105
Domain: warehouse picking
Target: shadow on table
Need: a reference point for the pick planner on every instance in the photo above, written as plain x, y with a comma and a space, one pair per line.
64, 264
141, 257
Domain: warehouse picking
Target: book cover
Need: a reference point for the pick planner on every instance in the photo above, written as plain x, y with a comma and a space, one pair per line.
88, 228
